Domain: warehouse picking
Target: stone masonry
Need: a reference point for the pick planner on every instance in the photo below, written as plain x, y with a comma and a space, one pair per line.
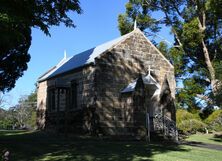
101, 107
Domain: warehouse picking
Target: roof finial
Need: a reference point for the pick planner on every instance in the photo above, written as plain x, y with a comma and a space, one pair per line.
149, 70
135, 25
65, 55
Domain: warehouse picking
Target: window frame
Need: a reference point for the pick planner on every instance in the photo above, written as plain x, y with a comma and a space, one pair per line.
73, 102
52, 99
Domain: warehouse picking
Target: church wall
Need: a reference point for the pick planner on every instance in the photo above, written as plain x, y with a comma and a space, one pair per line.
84, 79
41, 104
99, 86
118, 67
85, 96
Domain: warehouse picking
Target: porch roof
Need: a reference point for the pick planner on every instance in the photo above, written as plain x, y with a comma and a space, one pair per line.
147, 80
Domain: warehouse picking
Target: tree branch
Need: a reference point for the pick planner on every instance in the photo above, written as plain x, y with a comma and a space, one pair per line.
177, 37
205, 98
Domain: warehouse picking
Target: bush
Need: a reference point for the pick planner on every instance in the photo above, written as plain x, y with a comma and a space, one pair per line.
191, 126
185, 115
214, 121
188, 122
182, 115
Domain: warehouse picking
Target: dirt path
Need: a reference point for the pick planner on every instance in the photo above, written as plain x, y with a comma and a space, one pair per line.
203, 145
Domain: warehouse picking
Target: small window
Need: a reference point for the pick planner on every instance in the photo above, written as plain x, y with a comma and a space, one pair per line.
62, 99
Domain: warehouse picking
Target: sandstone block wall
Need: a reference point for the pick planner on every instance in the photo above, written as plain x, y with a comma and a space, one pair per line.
62, 115
118, 67
41, 104
100, 104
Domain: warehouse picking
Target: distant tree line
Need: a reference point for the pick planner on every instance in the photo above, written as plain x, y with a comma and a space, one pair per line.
20, 116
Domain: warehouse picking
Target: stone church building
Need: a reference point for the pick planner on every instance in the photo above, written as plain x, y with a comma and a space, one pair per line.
124, 87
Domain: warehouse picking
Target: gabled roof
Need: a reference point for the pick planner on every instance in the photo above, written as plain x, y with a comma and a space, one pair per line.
82, 58
149, 80
53, 69
86, 57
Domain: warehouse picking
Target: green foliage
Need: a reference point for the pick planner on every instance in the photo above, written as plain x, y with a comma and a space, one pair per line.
188, 122
139, 11
124, 24
6, 124
183, 114
215, 6
218, 98
191, 35
17, 17
177, 58
27, 109
22, 115
196, 25
214, 121
6, 119
191, 126
163, 48
206, 112
186, 96
31, 122
218, 69
32, 97
174, 55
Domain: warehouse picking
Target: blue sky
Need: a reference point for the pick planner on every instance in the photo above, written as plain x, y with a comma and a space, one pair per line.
96, 25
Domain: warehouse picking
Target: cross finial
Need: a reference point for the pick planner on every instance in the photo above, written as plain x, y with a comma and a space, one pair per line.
135, 25
65, 55
149, 70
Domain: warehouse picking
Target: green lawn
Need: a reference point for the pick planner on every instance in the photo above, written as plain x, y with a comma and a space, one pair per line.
206, 138
37, 146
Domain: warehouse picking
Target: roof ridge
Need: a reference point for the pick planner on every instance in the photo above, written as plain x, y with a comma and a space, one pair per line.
53, 69
84, 57
121, 39
88, 56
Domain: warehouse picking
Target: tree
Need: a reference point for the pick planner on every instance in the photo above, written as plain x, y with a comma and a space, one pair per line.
22, 115
197, 29
25, 111
4, 100
17, 17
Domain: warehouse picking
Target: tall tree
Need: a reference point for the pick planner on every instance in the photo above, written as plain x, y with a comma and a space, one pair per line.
17, 17
197, 29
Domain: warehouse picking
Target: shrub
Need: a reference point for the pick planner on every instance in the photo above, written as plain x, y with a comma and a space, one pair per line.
191, 126
188, 122
185, 115
182, 115
214, 121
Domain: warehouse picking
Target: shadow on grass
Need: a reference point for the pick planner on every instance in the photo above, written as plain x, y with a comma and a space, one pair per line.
203, 145
217, 137
41, 146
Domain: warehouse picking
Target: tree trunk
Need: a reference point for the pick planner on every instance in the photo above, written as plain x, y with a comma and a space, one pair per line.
213, 80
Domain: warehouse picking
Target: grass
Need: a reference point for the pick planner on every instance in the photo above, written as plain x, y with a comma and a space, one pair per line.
206, 138
38, 146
